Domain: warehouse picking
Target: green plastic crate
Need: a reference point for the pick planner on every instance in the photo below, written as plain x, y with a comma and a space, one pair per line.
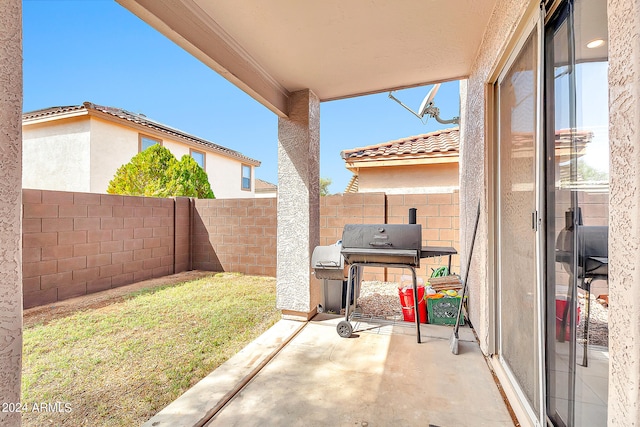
443, 311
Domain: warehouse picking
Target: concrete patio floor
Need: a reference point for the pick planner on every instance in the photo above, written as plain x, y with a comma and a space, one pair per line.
304, 374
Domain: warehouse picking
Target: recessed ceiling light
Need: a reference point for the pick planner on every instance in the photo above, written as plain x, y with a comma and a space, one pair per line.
595, 43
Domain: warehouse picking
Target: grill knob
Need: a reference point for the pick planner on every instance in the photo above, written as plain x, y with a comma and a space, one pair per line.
380, 230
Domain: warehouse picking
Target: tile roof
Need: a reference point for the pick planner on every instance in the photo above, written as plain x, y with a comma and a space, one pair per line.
139, 119
51, 111
441, 143
264, 185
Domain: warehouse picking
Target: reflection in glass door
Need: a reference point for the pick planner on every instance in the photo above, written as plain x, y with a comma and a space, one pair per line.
576, 214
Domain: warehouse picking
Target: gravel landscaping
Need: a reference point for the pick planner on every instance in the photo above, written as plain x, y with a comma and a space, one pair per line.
380, 299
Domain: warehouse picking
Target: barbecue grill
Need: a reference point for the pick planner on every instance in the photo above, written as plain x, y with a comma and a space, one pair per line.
385, 245
328, 265
592, 257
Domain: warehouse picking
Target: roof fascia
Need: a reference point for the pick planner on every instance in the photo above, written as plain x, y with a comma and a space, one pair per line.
163, 135
355, 165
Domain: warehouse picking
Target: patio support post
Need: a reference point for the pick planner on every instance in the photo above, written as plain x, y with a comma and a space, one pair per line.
10, 207
624, 212
298, 205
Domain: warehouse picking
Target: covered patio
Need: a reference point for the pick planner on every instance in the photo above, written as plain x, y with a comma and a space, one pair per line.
303, 374
291, 56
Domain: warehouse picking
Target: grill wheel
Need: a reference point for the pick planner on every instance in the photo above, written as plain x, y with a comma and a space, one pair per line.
344, 329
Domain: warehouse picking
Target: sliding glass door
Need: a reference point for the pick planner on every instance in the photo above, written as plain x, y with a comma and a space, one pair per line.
576, 199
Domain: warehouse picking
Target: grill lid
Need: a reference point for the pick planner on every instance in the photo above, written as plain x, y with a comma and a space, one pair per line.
382, 243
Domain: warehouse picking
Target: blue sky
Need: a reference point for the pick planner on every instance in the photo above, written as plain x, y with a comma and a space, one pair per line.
97, 51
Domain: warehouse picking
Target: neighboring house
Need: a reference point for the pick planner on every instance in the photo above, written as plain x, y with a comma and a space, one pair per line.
418, 164
80, 147
527, 69
265, 189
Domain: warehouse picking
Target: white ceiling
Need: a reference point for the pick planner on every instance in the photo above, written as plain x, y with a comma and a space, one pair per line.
336, 48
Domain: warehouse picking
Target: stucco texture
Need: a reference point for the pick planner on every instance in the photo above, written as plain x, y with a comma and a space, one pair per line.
298, 204
624, 219
475, 166
434, 178
57, 156
10, 206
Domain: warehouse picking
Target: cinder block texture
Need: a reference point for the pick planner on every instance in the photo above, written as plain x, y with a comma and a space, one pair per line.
87, 242
10, 206
219, 243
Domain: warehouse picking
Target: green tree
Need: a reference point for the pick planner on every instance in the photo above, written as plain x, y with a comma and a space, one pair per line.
189, 179
589, 173
155, 172
324, 186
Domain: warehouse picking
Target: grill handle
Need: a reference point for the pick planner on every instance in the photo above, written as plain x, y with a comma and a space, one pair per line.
380, 244
327, 264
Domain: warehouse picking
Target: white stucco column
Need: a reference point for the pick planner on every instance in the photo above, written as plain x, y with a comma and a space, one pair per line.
10, 206
298, 205
624, 212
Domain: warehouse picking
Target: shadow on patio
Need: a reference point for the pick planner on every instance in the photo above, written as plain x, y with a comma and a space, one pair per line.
304, 374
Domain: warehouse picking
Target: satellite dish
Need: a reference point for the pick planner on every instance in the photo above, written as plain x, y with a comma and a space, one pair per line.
428, 100
427, 108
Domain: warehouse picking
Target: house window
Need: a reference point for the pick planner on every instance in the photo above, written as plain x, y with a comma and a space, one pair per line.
145, 141
198, 156
246, 177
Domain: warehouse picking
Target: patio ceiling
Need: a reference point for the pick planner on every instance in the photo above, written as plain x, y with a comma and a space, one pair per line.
336, 48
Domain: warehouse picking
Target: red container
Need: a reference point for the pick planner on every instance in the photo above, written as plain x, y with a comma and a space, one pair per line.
560, 307
407, 303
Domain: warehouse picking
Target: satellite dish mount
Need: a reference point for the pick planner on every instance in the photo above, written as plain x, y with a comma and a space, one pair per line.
427, 108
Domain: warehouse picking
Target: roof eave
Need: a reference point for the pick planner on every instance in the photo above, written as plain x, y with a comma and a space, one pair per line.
377, 162
160, 132
54, 116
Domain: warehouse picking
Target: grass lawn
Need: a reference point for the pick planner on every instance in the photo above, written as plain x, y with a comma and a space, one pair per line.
119, 364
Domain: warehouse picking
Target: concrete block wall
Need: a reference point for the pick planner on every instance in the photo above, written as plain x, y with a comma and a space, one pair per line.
182, 217
239, 234
439, 215
79, 243
351, 208
235, 235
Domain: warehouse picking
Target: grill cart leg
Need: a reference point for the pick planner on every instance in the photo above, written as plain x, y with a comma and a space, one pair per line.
344, 327
415, 303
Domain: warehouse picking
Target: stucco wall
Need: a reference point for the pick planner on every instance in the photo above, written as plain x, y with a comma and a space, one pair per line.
10, 206
225, 176
83, 154
624, 213
413, 179
111, 147
475, 168
56, 156
298, 204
